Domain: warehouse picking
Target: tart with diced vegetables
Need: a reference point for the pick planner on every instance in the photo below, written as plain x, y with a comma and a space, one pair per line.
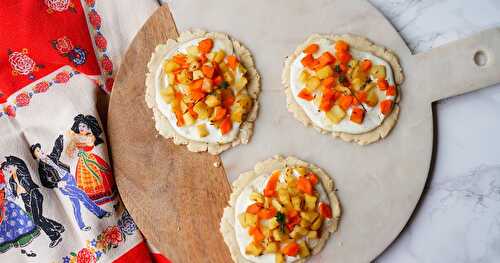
283, 211
203, 89
345, 86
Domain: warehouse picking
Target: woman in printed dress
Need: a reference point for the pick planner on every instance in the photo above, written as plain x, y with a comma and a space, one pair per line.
93, 174
16, 226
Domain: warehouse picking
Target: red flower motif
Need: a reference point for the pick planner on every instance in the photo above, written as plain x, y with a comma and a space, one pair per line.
10, 111
113, 235
22, 99
95, 19
58, 5
106, 64
63, 45
109, 84
41, 87
85, 256
62, 77
101, 42
90, 2
21, 63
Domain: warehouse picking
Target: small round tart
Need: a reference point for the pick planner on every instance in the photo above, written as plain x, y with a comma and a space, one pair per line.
282, 211
203, 90
345, 86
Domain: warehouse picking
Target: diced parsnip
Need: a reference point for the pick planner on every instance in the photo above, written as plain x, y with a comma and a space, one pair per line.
254, 249
284, 197
195, 65
197, 74
310, 202
378, 71
242, 219
219, 56
304, 250
272, 247
304, 223
317, 223
267, 202
266, 231
353, 63
297, 203
279, 258
244, 101
312, 234
207, 85
358, 73
183, 77
201, 109
202, 130
309, 215
223, 67
237, 115
251, 219
188, 119
240, 84
372, 98
170, 66
168, 94
301, 171
168, 98
212, 101
324, 72
356, 84
291, 181
336, 114
343, 89
171, 78
277, 205
304, 76
258, 198
298, 232
241, 69
211, 56
278, 235
273, 223
193, 51
369, 86
313, 83
228, 77
184, 106
187, 99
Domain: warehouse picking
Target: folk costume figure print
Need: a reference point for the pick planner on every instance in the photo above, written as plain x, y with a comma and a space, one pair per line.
64, 46
55, 174
22, 185
22, 64
93, 174
17, 228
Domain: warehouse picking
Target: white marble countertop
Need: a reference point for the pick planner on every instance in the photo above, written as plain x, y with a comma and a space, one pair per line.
458, 218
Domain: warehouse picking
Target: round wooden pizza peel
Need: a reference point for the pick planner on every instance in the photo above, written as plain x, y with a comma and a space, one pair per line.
176, 197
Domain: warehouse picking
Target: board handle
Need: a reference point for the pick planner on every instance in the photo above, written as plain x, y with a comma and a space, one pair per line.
461, 66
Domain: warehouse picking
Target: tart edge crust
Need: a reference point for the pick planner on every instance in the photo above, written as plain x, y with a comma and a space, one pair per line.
362, 44
227, 223
161, 122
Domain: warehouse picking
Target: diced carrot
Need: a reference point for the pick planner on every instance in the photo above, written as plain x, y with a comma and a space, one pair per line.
196, 85
361, 95
178, 95
305, 94
179, 117
197, 95
313, 178
328, 82
291, 249
304, 185
343, 57
254, 208
256, 233
205, 45
366, 64
357, 115
227, 99
270, 189
325, 210
292, 213
208, 71
203, 58
341, 46
311, 49
345, 102
180, 59
328, 93
192, 112
326, 103
391, 91
226, 125
382, 84
386, 106
267, 213
220, 113
218, 80
292, 220
355, 101
343, 68
232, 61
326, 59
307, 60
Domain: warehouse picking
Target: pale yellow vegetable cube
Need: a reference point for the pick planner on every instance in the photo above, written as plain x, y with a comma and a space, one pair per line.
267, 202
259, 198
184, 106
242, 219
207, 85
201, 109
228, 77
317, 223
170, 66
254, 249
372, 98
298, 232
195, 65
202, 130
273, 223
211, 56
304, 76
279, 258
313, 83
197, 74
184, 77
223, 67
188, 119
237, 115
309, 215
272, 247
284, 197
251, 219
357, 83
378, 71
297, 203
240, 84
324, 72
312, 234
244, 101
368, 87
278, 235
193, 51
304, 250
336, 114
171, 78
310, 202
304, 223
212, 101
219, 56
241, 69
277, 205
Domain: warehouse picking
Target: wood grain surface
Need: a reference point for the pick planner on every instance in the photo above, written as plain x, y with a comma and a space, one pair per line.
176, 197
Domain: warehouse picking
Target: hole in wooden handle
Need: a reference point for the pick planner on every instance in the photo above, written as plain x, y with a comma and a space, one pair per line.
480, 58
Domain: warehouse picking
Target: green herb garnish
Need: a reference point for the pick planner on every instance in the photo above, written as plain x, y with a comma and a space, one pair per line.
280, 217
224, 85
337, 68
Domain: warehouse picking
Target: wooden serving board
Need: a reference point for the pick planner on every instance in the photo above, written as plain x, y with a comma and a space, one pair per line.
177, 197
